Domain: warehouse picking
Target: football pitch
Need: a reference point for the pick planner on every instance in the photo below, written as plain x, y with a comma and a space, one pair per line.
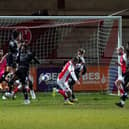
93, 111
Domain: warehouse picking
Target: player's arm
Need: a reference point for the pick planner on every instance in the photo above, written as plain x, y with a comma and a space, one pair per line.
117, 63
72, 73
83, 69
3, 57
35, 58
82, 59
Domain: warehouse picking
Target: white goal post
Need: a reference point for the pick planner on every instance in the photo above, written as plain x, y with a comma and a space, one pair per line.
55, 39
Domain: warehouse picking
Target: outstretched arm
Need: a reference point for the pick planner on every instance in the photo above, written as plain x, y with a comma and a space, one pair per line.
36, 60
3, 57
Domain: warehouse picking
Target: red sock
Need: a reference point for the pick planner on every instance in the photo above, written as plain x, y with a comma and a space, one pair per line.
62, 93
121, 90
15, 90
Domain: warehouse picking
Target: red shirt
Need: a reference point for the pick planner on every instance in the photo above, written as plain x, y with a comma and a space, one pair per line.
3, 64
123, 63
67, 71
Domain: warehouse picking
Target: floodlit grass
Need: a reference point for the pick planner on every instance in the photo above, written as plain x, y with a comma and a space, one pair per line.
94, 111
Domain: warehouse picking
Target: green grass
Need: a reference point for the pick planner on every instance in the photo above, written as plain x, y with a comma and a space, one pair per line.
94, 111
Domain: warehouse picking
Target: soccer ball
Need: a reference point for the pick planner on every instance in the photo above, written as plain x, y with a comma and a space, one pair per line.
45, 77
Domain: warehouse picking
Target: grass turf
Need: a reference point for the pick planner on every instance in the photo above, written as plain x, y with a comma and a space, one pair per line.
94, 111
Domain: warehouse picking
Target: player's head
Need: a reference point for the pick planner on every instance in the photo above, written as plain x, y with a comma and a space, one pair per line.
81, 52
120, 50
75, 60
16, 35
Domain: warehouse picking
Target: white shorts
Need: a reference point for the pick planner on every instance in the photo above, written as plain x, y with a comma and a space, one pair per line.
63, 85
120, 78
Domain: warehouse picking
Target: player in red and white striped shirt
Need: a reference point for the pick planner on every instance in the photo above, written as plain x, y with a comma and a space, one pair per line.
62, 80
122, 65
120, 81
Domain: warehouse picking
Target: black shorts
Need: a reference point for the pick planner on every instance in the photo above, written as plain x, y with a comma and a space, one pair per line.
22, 73
11, 60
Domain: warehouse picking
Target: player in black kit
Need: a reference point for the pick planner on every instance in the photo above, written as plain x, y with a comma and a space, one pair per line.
11, 57
24, 59
13, 50
80, 69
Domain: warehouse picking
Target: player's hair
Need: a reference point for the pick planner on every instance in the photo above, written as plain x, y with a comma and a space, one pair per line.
81, 50
75, 60
121, 47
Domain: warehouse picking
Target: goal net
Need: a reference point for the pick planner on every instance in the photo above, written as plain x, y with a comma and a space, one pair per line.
55, 39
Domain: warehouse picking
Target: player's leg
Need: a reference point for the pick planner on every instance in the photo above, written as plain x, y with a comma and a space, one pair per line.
23, 76
71, 83
61, 89
5, 88
32, 93
125, 85
73, 97
26, 98
120, 84
124, 97
8, 79
17, 86
68, 92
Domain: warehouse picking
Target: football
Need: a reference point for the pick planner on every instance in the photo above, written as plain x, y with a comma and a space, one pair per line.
45, 77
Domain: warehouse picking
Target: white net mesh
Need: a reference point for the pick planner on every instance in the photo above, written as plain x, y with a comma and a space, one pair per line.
55, 40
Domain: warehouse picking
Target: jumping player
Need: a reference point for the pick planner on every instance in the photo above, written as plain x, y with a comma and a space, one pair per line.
24, 59
13, 49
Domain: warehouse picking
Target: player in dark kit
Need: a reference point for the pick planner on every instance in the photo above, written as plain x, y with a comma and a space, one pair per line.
80, 69
11, 58
13, 50
24, 59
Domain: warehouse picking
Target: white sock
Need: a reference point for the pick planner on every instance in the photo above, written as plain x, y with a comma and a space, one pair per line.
122, 102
